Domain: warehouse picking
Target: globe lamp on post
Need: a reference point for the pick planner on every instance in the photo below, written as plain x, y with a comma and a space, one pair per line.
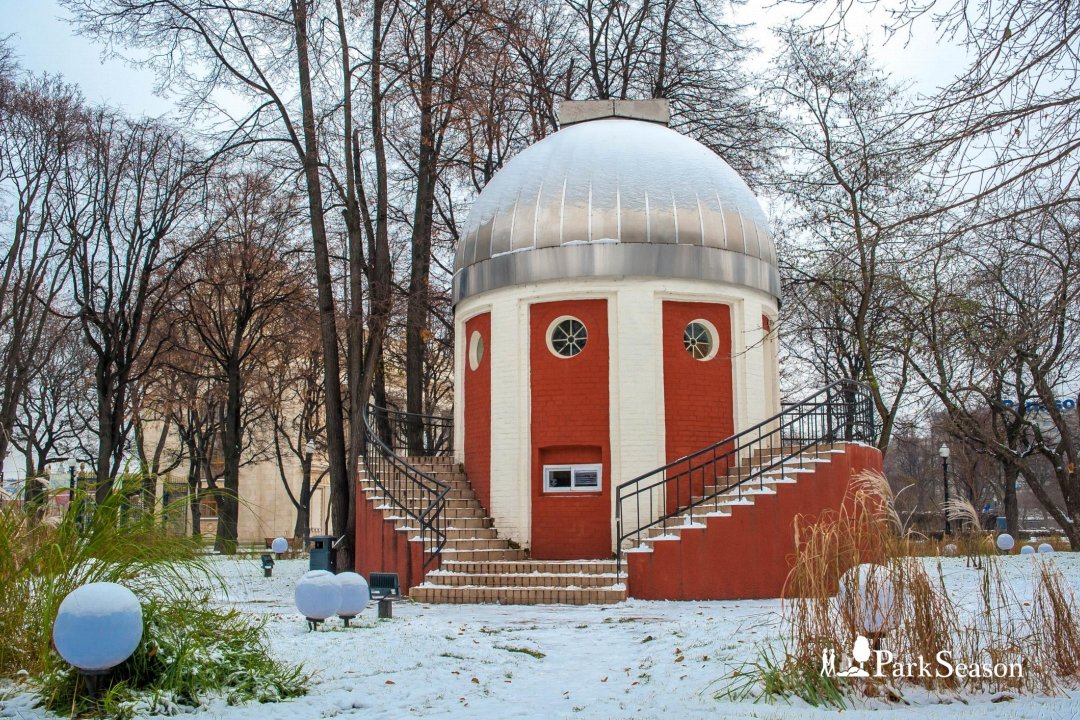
355, 595
97, 627
317, 596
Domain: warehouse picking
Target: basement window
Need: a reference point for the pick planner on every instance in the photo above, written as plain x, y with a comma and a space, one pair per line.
572, 478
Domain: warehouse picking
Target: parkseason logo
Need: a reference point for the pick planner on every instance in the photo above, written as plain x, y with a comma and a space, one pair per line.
865, 662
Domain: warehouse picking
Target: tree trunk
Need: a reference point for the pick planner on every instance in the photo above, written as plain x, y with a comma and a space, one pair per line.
193, 490
105, 434
335, 431
228, 498
416, 333
303, 506
1012, 513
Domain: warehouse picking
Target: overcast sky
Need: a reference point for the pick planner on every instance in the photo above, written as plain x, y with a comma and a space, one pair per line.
45, 42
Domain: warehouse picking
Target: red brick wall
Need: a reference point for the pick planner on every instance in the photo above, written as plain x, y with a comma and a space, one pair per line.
478, 411
748, 554
570, 425
381, 548
697, 393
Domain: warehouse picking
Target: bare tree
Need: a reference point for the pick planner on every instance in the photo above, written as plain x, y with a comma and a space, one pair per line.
239, 293
129, 194
292, 391
51, 424
997, 346
848, 193
290, 64
40, 123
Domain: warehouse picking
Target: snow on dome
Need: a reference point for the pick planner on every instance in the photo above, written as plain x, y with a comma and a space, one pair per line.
615, 197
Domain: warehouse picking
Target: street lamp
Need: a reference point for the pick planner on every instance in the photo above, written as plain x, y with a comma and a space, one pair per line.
71, 475
944, 452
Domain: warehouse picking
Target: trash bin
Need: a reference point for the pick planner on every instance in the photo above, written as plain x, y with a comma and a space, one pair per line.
1002, 524
322, 553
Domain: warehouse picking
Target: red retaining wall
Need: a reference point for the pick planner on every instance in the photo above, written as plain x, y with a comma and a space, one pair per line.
381, 548
749, 553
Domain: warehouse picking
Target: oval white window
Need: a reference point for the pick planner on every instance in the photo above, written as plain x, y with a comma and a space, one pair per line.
476, 350
567, 337
699, 339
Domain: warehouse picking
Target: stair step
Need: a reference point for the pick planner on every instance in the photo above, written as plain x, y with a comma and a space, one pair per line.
442, 577
480, 554
427, 593
471, 543
557, 567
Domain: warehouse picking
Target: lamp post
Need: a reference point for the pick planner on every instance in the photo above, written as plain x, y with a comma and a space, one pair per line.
944, 452
309, 451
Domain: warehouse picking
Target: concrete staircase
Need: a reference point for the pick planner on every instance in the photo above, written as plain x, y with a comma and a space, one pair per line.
477, 566
724, 503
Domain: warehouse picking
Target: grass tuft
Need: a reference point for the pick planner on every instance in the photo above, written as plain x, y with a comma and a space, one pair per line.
824, 611
190, 648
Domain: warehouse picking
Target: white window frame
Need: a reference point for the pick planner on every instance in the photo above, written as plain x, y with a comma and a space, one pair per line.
574, 469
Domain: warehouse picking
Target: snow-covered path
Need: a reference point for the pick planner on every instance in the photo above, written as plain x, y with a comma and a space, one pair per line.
633, 660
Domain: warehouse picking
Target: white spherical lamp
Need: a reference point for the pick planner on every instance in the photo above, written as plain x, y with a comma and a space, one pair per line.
869, 591
317, 596
1005, 542
1046, 548
279, 545
949, 549
1027, 550
98, 626
355, 595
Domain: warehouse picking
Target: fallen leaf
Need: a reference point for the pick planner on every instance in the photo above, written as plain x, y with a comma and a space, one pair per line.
680, 658
476, 680
1003, 697
390, 682
603, 679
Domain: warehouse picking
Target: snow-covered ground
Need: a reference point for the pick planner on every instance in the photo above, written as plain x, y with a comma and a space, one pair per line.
633, 660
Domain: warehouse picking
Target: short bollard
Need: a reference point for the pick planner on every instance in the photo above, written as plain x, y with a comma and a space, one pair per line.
386, 609
267, 565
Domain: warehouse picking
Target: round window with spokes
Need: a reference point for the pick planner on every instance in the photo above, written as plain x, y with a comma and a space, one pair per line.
699, 339
567, 337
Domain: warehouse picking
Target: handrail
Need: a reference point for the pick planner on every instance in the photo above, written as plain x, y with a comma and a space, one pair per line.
414, 434
842, 411
411, 491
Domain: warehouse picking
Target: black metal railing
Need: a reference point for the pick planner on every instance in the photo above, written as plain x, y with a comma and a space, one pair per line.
841, 412
419, 497
413, 435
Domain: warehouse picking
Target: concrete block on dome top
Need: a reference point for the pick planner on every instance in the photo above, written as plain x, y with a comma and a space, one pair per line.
575, 111
654, 110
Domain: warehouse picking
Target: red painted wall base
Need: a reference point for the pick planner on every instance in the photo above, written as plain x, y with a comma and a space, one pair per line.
749, 553
382, 548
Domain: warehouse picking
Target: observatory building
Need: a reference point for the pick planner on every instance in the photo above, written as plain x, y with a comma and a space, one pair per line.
617, 424
614, 292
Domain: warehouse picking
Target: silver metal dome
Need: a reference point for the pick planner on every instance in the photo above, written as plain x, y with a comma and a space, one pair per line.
615, 198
